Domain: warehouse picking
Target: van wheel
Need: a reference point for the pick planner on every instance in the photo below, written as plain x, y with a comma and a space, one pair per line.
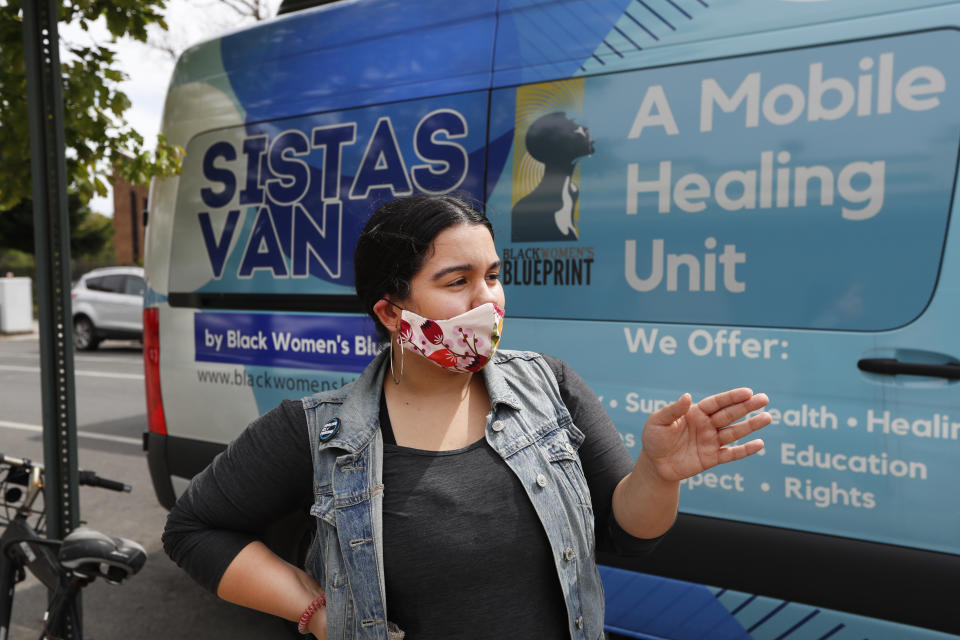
84, 335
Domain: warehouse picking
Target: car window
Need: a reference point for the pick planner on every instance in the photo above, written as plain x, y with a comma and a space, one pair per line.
135, 286
96, 284
114, 284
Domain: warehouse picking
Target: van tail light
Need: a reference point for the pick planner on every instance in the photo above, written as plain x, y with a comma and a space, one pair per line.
156, 419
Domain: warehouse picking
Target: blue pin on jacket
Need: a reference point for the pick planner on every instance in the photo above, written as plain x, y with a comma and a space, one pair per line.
329, 429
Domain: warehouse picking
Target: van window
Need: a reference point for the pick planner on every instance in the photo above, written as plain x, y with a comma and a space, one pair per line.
275, 208
766, 190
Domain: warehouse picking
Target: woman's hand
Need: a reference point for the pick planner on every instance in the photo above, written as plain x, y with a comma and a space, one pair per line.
318, 624
684, 439
318, 621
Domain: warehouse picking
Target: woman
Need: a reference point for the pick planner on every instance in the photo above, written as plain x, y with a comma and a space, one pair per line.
460, 490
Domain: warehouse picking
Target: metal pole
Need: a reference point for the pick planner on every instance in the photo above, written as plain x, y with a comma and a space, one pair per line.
52, 251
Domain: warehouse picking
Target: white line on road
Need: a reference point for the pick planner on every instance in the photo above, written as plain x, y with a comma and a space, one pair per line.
79, 372
84, 434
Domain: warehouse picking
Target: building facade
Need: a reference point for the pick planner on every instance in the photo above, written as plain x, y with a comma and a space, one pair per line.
129, 218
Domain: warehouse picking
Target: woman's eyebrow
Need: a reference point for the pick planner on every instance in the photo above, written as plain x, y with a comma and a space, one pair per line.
461, 267
452, 269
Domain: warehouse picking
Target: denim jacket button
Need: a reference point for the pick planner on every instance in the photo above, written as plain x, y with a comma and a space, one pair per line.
568, 554
541, 480
498, 426
580, 622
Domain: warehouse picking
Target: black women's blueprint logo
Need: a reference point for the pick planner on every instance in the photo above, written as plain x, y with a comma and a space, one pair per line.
550, 211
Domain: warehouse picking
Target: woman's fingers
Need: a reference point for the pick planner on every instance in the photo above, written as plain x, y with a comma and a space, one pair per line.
673, 411
732, 413
729, 454
712, 404
738, 430
722, 410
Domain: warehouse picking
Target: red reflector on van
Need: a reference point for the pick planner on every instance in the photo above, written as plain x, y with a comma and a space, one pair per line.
156, 419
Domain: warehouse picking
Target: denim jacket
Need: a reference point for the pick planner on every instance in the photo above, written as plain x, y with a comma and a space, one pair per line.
528, 425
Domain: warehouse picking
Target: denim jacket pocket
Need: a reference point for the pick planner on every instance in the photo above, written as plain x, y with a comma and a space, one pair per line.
562, 455
565, 463
329, 567
317, 557
324, 508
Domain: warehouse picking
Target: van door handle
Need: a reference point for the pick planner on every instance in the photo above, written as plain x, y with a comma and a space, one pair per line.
892, 366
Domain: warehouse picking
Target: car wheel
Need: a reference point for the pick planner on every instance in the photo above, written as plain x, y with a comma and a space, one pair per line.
84, 336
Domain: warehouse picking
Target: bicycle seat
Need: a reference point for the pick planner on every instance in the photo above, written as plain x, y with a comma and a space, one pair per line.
88, 554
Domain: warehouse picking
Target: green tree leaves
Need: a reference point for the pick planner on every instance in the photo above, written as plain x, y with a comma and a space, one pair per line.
91, 234
96, 135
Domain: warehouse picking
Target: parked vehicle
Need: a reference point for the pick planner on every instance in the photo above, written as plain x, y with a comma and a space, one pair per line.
687, 196
107, 303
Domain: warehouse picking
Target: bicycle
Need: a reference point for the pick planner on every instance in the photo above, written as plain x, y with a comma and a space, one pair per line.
63, 566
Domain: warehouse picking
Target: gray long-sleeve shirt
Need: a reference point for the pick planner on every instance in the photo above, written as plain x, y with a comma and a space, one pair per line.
267, 473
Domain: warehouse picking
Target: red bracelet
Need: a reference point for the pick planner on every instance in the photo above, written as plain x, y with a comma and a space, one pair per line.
319, 603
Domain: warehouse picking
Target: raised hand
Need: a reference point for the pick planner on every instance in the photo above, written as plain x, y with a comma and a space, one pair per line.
684, 439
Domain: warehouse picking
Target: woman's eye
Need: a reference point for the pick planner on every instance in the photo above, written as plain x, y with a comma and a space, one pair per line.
493, 276
458, 282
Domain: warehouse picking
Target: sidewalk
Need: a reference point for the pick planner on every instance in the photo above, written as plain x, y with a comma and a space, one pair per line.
34, 335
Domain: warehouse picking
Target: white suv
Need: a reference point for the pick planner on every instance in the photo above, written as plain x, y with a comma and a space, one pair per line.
107, 303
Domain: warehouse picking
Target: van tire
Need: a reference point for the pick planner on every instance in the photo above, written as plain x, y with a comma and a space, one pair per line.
84, 334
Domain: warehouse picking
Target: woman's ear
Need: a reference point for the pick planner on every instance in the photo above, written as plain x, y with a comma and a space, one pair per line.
387, 314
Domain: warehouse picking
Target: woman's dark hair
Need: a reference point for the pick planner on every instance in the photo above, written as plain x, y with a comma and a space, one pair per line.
396, 242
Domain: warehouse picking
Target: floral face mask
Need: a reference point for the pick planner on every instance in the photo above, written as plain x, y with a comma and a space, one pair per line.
462, 343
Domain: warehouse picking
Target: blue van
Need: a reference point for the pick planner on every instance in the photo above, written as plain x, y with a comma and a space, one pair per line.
688, 195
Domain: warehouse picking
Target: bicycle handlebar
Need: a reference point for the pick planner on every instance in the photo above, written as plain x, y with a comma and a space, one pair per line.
92, 479
89, 478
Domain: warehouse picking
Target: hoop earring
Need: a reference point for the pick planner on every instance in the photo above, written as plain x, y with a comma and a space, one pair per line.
396, 378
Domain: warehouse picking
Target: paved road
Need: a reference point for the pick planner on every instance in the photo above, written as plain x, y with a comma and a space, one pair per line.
161, 601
